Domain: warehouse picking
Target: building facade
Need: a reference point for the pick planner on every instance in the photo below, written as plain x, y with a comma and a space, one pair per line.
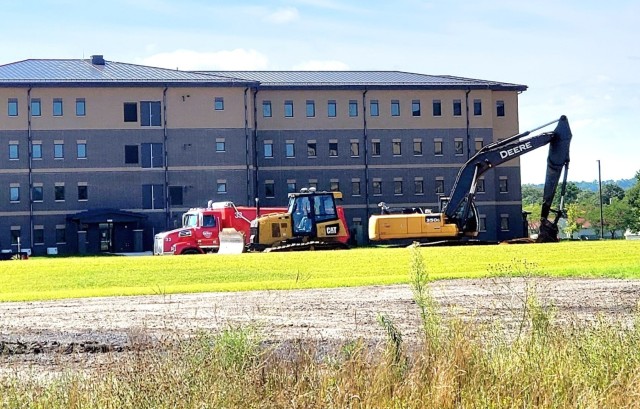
98, 156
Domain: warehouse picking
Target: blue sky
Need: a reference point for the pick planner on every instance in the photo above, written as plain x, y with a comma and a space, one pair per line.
578, 58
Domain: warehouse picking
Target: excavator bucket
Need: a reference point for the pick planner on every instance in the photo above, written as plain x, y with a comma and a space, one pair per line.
231, 241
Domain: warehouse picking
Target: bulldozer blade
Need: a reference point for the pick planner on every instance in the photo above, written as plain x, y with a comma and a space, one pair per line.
231, 242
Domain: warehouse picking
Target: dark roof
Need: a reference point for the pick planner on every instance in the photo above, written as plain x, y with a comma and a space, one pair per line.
104, 215
79, 72
363, 79
99, 72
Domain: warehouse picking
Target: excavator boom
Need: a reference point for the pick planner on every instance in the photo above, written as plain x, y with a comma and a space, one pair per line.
463, 191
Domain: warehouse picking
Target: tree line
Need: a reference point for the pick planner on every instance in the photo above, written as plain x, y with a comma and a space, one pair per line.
620, 207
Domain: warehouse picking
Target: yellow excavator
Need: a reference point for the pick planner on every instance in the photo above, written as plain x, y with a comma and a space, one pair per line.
313, 221
458, 217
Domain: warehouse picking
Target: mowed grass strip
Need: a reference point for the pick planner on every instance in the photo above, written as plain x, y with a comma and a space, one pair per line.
55, 278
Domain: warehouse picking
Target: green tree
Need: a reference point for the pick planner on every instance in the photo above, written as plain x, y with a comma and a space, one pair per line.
611, 191
633, 198
574, 212
531, 195
617, 216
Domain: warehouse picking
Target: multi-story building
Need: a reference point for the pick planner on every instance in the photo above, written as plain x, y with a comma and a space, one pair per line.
98, 155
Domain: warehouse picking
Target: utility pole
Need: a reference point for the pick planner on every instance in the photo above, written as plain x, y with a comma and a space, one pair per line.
600, 194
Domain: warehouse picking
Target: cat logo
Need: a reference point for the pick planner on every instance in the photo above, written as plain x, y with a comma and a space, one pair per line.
331, 230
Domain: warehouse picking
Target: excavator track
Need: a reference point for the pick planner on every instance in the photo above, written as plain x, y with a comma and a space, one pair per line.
306, 246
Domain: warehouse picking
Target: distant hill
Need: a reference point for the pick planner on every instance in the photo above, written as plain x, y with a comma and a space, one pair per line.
593, 186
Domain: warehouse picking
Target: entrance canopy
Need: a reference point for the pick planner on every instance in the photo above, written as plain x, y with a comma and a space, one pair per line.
106, 216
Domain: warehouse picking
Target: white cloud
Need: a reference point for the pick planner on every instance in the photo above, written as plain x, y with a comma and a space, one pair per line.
187, 60
328, 65
283, 15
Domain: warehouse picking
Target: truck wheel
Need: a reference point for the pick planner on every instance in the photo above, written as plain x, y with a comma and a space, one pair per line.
190, 251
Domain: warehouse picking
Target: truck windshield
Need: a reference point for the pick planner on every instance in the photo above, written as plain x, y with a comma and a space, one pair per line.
190, 220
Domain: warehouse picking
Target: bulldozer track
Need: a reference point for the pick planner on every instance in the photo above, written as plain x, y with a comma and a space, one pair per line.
309, 245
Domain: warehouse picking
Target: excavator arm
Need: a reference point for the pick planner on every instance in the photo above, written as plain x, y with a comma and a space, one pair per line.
458, 208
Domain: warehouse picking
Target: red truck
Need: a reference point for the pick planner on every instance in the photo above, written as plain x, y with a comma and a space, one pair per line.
202, 227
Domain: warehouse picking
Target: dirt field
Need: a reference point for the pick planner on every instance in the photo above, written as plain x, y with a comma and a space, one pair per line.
44, 336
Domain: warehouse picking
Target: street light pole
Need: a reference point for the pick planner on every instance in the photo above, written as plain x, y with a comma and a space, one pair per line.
600, 194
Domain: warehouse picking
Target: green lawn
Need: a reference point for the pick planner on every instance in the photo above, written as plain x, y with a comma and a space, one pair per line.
51, 278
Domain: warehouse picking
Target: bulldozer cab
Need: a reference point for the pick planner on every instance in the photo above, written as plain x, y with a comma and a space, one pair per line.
309, 208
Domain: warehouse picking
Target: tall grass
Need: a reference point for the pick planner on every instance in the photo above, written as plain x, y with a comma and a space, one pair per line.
453, 365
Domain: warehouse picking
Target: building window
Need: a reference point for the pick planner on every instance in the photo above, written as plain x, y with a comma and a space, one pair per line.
221, 186
291, 186
58, 192
374, 108
311, 109
479, 145
15, 235
480, 186
504, 222
377, 187
477, 107
458, 145
220, 145
482, 223
36, 150
218, 104
415, 107
503, 186
375, 148
269, 189
332, 109
333, 148
355, 148
57, 107
14, 152
437, 107
395, 107
14, 194
152, 155
176, 194
83, 193
37, 193
131, 112
457, 107
396, 147
418, 186
266, 109
353, 108
355, 187
397, 187
437, 147
58, 150
311, 149
499, 108
417, 147
81, 107
288, 109
12, 107
131, 154
38, 235
153, 196
290, 149
268, 149
439, 186
150, 113
61, 234
36, 107
334, 185
81, 150
313, 183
